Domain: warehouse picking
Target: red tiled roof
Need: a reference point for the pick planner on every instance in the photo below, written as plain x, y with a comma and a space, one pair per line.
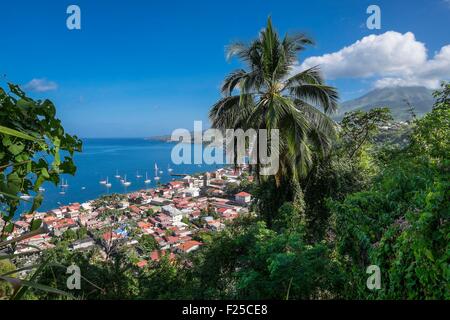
144, 225
135, 209
156, 255
188, 245
243, 194
107, 236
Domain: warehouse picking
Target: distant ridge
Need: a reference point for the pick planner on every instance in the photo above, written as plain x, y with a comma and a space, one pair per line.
420, 98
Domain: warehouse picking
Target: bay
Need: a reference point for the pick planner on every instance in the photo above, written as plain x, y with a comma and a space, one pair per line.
102, 158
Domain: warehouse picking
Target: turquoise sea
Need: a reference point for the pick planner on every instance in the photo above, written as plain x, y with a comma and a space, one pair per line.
102, 158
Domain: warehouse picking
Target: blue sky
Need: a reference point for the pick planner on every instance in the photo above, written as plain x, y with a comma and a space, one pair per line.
140, 68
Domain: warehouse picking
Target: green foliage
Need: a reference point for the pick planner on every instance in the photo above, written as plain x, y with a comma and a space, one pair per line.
31, 136
150, 213
402, 223
359, 127
332, 178
6, 289
244, 185
432, 135
249, 261
147, 243
288, 219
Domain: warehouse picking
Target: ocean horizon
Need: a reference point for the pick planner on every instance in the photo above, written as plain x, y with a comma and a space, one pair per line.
103, 158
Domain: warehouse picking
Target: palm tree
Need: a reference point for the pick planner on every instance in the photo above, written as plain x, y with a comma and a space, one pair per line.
269, 94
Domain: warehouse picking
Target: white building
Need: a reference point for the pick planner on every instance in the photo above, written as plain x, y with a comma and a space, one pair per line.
243, 197
175, 214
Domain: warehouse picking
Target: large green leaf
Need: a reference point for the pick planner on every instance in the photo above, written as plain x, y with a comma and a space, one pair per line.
34, 285
16, 133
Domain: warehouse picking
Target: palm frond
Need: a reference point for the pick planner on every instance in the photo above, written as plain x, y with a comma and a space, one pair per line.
231, 81
322, 96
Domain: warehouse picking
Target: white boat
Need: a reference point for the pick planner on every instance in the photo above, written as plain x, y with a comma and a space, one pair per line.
125, 182
117, 176
41, 189
107, 184
147, 180
103, 181
64, 184
83, 188
161, 172
25, 197
156, 178
169, 169
138, 175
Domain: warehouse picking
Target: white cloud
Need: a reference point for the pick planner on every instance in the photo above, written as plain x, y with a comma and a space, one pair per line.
391, 58
41, 85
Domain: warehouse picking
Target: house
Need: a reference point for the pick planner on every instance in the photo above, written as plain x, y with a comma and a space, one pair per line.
57, 213
215, 225
124, 204
86, 206
134, 209
218, 184
62, 225
156, 255
74, 207
175, 185
109, 237
189, 246
157, 201
175, 214
243, 197
230, 215
22, 224
192, 192
82, 244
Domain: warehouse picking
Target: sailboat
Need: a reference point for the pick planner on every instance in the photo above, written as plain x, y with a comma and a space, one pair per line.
64, 184
107, 184
41, 189
63, 187
125, 182
138, 175
103, 181
169, 169
117, 176
156, 172
147, 180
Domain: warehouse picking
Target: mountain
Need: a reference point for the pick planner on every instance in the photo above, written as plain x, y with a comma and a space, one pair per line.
394, 97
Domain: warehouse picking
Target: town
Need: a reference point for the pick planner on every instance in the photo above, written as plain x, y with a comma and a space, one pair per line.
171, 218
